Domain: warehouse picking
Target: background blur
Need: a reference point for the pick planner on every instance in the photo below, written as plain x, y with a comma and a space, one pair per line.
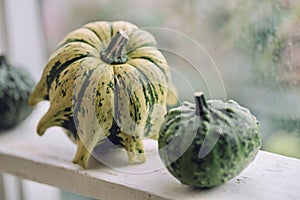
255, 47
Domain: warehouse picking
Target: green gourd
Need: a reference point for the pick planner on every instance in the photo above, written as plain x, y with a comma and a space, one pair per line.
15, 88
205, 144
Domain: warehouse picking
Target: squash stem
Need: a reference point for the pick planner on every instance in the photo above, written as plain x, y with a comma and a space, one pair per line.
114, 53
201, 105
3, 61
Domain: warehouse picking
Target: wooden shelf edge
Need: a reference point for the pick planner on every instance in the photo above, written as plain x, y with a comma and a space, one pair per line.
45, 160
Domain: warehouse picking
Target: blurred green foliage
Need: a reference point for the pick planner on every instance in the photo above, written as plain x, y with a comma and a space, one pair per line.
253, 29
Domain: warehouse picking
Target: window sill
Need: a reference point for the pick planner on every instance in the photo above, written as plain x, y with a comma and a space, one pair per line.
48, 160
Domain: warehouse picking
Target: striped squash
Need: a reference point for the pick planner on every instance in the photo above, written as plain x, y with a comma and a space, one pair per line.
106, 80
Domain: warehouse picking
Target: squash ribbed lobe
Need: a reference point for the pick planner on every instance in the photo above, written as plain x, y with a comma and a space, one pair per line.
106, 80
39, 94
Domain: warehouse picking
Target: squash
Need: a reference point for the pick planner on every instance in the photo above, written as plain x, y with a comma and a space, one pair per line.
106, 80
15, 88
206, 144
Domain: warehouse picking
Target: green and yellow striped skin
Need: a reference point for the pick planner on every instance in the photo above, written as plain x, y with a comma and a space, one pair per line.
93, 100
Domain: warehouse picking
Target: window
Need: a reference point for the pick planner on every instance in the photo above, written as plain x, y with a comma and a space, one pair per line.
236, 49
249, 52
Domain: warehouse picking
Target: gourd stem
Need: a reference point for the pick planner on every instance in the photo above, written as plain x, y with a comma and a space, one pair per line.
114, 53
3, 61
201, 105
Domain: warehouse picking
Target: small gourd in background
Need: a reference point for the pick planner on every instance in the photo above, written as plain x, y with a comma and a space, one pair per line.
106, 80
205, 144
15, 88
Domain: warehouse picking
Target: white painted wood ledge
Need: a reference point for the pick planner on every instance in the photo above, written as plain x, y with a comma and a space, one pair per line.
48, 160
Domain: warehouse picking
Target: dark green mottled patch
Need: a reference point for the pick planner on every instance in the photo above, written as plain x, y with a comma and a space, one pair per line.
78, 99
58, 67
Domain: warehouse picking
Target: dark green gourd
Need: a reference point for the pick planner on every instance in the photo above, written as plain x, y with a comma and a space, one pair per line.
15, 88
206, 144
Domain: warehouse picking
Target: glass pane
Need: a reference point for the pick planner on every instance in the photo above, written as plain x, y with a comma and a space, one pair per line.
254, 45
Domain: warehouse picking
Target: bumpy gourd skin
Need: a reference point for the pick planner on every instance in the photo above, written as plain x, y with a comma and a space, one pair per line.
15, 88
231, 130
95, 95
